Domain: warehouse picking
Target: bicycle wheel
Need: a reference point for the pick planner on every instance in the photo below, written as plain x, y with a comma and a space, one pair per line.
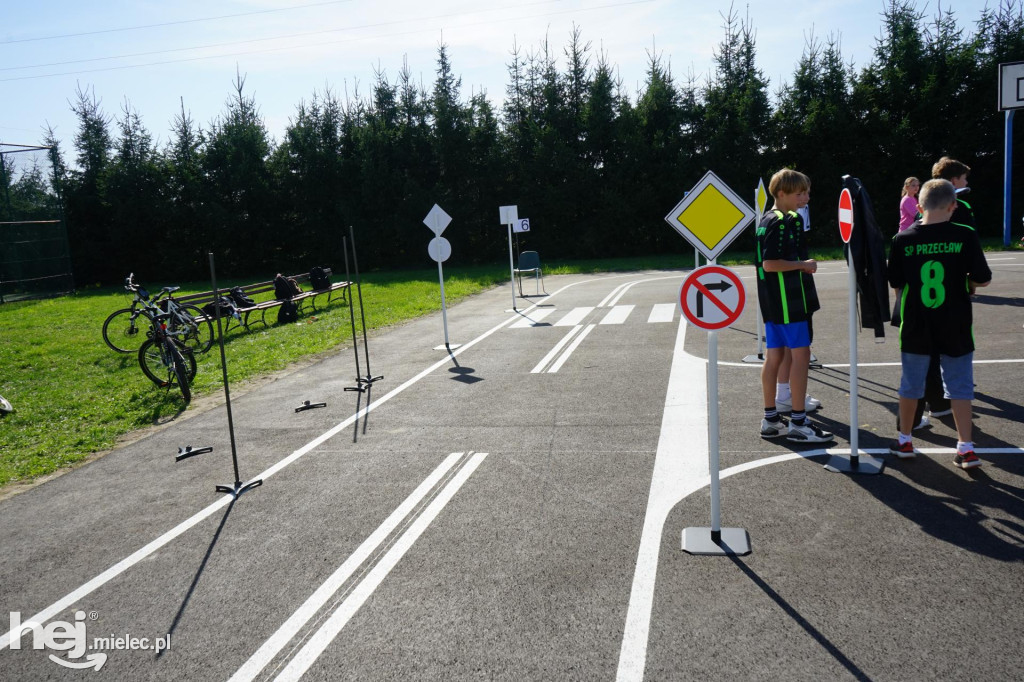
158, 366
180, 371
124, 333
198, 336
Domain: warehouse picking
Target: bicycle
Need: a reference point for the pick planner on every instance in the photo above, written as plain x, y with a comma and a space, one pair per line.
123, 333
164, 358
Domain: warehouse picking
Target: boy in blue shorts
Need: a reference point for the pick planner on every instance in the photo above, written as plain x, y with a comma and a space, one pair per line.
937, 263
783, 297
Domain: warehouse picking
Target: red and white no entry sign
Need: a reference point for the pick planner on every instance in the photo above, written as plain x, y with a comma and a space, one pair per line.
845, 215
712, 297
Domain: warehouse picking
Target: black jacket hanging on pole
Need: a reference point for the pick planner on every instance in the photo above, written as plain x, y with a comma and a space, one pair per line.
868, 248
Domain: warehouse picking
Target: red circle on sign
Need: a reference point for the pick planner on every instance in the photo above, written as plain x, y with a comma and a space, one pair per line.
705, 280
845, 215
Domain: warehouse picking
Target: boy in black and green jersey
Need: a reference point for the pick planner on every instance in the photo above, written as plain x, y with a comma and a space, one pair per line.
956, 172
935, 262
784, 302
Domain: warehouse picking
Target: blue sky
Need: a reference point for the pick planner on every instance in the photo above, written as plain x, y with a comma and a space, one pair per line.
152, 54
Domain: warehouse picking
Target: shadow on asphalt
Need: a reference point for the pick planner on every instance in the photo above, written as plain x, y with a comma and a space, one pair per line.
816, 634
199, 572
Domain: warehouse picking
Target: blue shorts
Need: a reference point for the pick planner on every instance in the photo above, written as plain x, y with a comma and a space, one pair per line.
792, 335
957, 375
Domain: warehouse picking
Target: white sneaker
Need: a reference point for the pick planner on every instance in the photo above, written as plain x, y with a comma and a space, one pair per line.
811, 404
941, 413
773, 429
923, 423
808, 433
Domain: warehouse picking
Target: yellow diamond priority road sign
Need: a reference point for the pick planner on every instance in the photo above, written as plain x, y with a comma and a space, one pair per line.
711, 216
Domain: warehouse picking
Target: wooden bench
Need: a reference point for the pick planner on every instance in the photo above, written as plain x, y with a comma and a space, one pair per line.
259, 289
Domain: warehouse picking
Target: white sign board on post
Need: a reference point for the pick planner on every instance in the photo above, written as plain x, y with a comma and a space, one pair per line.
855, 463
521, 225
440, 250
510, 216
710, 217
437, 220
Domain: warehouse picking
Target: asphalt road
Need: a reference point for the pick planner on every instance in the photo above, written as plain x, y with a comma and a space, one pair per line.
513, 510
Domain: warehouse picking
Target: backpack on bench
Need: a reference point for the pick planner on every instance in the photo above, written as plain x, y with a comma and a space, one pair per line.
240, 299
285, 287
318, 278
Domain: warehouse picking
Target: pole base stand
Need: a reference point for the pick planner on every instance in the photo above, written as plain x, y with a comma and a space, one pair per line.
706, 542
448, 346
238, 488
855, 464
189, 451
306, 405
758, 359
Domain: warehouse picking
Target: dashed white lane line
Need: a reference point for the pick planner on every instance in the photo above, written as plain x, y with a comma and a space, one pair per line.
662, 312
575, 316
533, 318
322, 638
618, 314
284, 634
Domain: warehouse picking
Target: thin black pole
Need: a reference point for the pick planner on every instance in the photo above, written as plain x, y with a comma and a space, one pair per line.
238, 488
362, 312
351, 311
224, 368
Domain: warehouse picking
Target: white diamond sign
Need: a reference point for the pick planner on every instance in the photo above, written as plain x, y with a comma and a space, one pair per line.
437, 220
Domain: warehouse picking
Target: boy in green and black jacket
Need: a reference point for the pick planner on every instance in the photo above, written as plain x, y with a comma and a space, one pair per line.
786, 295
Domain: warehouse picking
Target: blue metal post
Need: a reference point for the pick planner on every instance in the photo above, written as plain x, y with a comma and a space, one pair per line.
1007, 176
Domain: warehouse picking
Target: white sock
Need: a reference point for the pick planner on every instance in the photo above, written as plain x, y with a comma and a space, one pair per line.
962, 447
782, 391
905, 439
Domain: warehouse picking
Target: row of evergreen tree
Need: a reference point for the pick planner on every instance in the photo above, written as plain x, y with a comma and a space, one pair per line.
594, 168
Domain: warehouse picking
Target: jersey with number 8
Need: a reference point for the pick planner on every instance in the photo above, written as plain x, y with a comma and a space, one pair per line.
932, 264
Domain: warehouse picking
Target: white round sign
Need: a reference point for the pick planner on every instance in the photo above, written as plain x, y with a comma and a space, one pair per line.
440, 249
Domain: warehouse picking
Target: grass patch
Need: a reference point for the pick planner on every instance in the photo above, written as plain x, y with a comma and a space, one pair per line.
73, 396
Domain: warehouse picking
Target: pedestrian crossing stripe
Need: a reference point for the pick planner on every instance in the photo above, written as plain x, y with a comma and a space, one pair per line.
660, 312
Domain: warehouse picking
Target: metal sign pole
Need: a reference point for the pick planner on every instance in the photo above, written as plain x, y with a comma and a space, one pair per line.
511, 268
839, 463
1007, 175
444, 310
714, 540
854, 393
716, 514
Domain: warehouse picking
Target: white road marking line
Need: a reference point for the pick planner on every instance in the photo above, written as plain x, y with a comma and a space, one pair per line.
606, 300
284, 634
126, 563
554, 351
618, 314
568, 351
575, 317
677, 472
360, 593
533, 318
615, 296
662, 312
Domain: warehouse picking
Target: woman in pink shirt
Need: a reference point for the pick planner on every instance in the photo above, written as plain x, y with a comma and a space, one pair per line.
908, 204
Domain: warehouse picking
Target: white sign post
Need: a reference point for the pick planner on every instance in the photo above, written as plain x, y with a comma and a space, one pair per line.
760, 204
440, 249
855, 464
510, 216
710, 217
